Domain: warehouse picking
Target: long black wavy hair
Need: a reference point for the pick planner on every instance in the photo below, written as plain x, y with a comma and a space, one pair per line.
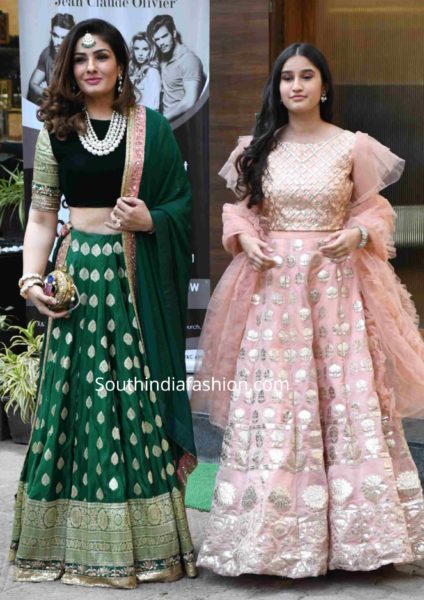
273, 115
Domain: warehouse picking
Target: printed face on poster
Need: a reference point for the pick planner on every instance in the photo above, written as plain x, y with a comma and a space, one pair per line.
168, 41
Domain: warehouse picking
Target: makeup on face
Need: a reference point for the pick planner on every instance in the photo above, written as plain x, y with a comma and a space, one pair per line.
95, 69
300, 84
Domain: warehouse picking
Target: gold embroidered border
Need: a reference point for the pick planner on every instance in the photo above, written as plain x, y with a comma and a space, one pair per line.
36, 575
136, 139
137, 148
166, 576
147, 538
64, 247
126, 583
134, 162
45, 198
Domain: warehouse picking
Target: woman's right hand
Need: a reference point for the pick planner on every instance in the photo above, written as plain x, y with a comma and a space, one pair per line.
254, 248
42, 302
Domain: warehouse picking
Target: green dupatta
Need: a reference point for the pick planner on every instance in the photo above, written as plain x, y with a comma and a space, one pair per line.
160, 263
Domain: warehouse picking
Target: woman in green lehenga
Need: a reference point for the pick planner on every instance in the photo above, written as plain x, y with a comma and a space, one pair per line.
100, 499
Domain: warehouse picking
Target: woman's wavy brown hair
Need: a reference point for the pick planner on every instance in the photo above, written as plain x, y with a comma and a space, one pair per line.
62, 105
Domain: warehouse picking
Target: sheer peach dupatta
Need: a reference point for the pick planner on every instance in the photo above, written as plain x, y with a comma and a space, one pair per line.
396, 346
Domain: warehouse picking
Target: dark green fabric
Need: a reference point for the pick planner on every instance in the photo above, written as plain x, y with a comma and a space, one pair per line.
98, 346
163, 271
99, 493
87, 180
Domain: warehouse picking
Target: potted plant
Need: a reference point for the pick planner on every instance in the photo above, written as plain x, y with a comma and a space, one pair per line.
12, 196
19, 369
4, 325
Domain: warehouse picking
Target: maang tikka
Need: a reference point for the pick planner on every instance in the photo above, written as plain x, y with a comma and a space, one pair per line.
88, 41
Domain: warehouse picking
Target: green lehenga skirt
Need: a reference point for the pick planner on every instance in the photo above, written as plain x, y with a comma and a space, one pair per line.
99, 501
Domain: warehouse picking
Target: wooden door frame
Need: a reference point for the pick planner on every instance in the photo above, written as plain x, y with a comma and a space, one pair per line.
290, 21
239, 68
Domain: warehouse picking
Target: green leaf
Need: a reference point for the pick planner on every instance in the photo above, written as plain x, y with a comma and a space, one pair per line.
19, 372
12, 195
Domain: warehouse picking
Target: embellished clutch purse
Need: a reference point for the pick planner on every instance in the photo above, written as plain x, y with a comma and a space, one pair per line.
60, 285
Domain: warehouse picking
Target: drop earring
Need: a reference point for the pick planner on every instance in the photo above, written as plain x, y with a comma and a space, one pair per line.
75, 89
120, 81
323, 97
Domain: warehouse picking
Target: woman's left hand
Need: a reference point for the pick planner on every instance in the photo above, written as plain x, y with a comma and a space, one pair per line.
340, 244
130, 214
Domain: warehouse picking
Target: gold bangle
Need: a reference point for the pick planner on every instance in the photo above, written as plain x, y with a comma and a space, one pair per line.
27, 276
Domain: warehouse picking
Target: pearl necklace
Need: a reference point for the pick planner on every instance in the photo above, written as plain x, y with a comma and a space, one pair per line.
115, 133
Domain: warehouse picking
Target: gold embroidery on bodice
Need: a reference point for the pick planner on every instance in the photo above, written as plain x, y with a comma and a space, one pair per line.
307, 187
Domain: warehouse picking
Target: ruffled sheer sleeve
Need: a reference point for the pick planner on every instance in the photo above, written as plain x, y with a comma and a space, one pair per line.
374, 167
237, 218
229, 171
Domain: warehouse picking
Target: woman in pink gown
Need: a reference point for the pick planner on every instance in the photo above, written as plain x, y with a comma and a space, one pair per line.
320, 340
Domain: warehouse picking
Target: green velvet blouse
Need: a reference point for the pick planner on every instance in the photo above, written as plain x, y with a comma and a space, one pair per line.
67, 168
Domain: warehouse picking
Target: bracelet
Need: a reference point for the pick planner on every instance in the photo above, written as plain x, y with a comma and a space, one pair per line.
27, 276
364, 235
29, 283
30, 277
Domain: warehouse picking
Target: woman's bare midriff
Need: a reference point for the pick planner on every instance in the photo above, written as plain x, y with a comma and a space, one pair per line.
91, 220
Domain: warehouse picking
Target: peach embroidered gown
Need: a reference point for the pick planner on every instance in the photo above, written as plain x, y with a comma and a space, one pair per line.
315, 471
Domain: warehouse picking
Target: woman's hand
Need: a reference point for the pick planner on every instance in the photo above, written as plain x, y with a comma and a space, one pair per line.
43, 302
340, 244
254, 248
130, 214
